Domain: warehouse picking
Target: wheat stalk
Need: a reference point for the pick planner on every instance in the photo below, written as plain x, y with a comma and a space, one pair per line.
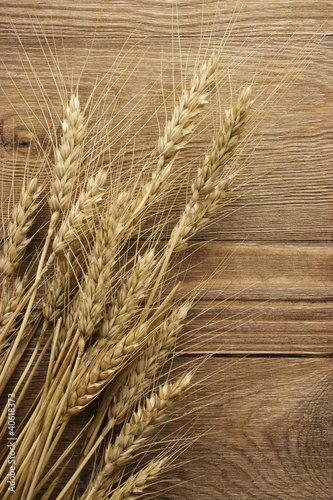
110, 321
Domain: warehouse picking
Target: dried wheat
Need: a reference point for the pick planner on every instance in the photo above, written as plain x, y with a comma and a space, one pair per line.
96, 372
135, 485
134, 434
75, 226
143, 372
17, 239
207, 191
126, 302
10, 299
67, 159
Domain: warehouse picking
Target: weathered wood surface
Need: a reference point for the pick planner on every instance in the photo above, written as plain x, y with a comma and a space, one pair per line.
271, 258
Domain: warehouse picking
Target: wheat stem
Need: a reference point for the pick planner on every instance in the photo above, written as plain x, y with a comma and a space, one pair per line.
86, 459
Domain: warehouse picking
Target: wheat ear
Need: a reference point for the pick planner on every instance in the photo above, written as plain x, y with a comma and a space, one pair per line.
126, 302
181, 123
14, 248
75, 226
207, 191
158, 349
142, 373
75, 229
67, 249
174, 138
122, 217
135, 485
96, 371
93, 295
67, 158
10, 298
16, 240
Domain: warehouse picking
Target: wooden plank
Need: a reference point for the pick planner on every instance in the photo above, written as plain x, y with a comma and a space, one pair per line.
261, 299
257, 271
265, 427
246, 327
146, 17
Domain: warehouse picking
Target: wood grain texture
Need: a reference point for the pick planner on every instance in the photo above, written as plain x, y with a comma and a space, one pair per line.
269, 255
268, 435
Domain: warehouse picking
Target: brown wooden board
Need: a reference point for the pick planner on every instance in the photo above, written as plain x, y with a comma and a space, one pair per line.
264, 268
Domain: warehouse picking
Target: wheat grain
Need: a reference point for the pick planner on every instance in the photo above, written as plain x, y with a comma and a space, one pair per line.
57, 289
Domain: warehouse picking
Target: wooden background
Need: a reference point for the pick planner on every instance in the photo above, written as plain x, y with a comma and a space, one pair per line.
270, 433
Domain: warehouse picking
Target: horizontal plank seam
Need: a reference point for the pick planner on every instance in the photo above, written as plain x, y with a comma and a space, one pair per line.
244, 354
